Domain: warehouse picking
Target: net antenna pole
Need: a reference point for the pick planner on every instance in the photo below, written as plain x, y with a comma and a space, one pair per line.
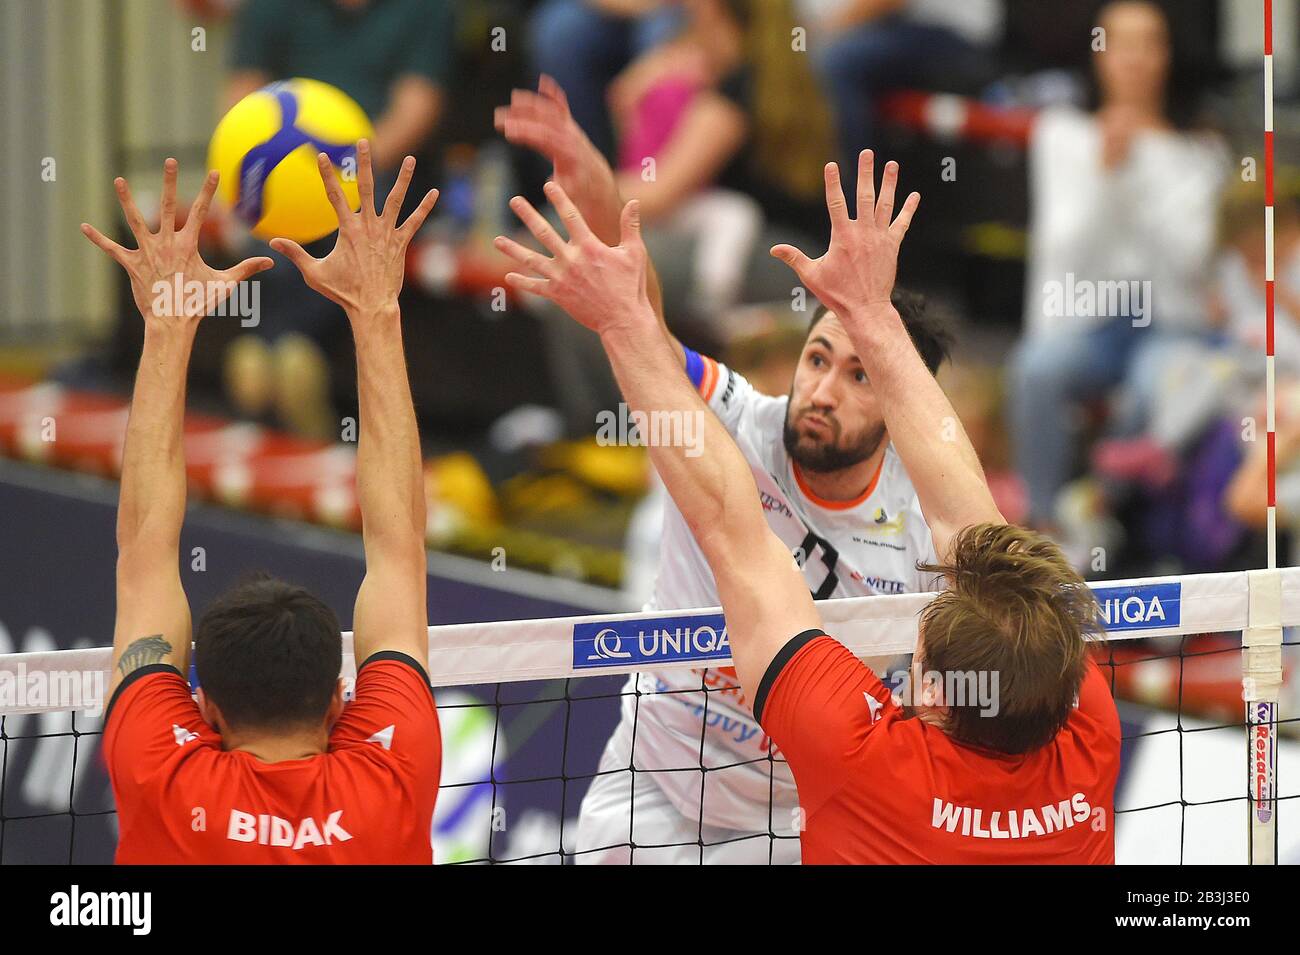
1262, 639
1261, 684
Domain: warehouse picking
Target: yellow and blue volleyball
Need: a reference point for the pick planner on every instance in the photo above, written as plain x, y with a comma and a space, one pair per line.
265, 149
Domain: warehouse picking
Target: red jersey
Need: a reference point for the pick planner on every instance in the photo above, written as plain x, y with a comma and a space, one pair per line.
369, 799
879, 787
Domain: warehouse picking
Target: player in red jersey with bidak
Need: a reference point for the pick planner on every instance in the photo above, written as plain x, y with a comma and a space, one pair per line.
1027, 776
270, 765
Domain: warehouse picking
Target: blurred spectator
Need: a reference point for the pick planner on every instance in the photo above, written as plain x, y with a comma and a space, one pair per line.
1247, 495
1121, 201
393, 57
1200, 380
585, 43
1197, 490
865, 47
682, 111
1242, 276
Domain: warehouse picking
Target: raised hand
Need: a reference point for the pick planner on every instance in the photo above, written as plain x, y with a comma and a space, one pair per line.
542, 122
364, 271
857, 272
603, 287
171, 283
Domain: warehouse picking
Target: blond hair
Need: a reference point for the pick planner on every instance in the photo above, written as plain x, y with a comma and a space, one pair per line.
1015, 607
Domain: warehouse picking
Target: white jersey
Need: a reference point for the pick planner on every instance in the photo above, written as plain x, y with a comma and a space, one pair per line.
847, 549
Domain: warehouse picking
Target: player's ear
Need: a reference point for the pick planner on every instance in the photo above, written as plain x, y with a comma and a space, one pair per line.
208, 710
336, 705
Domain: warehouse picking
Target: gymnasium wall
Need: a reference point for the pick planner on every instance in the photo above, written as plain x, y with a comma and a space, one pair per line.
142, 89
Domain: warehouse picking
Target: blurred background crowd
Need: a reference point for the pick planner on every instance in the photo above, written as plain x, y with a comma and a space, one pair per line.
1092, 222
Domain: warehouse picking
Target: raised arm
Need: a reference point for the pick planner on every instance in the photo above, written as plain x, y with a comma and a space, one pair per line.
855, 278
173, 288
542, 122
363, 274
764, 596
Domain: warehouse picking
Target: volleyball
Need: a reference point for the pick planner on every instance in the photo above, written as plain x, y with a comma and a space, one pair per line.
265, 150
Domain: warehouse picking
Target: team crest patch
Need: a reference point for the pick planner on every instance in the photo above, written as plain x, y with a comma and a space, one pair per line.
882, 522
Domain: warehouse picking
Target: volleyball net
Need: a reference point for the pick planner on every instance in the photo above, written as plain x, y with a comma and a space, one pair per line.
556, 751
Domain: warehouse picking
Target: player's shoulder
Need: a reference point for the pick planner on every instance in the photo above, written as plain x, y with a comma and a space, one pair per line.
150, 697
394, 676
146, 680
392, 710
395, 663
894, 479
755, 419
1096, 703
814, 663
898, 494
764, 423
735, 392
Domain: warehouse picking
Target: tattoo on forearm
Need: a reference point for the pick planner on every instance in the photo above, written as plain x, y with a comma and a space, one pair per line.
143, 652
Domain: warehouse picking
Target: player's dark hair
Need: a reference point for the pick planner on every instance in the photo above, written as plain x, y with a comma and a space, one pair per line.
926, 326
268, 653
1015, 607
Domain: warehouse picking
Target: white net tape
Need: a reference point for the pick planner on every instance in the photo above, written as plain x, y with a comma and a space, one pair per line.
605, 644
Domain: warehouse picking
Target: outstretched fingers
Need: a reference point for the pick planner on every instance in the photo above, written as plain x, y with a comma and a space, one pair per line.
792, 257
117, 252
365, 177
526, 283
866, 182
900, 225
416, 218
333, 189
574, 223
523, 256
167, 210
548, 87
295, 253
393, 204
248, 268
836, 205
885, 204
134, 220
539, 137
629, 225
536, 224
202, 202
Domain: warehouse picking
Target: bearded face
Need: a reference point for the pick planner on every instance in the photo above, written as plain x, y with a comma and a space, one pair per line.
817, 440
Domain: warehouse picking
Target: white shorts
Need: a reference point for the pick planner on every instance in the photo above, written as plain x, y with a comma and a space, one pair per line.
623, 809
